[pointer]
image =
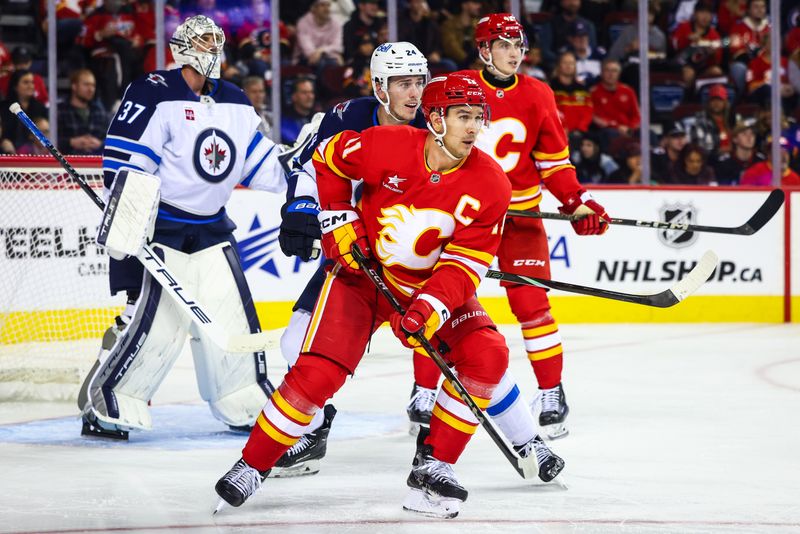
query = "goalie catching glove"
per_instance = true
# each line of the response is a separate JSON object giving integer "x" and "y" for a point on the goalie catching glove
{"x": 130, "y": 213}
{"x": 300, "y": 228}
{"x": 342, "y": 228}
{"x": 425, "y": 315}
{"x": 594, "y": 219}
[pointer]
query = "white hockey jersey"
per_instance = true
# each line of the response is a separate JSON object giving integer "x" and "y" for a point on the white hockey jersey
{"x": 200, "y": 147}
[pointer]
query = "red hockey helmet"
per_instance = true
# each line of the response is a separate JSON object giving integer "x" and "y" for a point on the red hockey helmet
{"x": 454, "y": 89}
{"x": 499, "y": 26}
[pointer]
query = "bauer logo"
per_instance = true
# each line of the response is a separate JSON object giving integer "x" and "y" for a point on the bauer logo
{"x": 678, "y": 214}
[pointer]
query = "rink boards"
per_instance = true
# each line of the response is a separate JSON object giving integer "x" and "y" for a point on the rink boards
{"x": 758, "y": 279}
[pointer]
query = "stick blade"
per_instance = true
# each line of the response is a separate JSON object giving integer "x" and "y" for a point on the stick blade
{"x": 765, "y": 212}
{"x": 267, "y": 340}
{"x": 696, "y": 277}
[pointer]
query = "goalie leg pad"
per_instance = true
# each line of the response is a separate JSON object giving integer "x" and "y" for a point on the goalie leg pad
{"x": 130, "y": 213}
{"x": 234, "y": 384}
{"x": 118, "y": 390}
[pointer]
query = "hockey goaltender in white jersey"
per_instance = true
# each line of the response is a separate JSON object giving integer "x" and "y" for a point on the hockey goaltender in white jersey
{"x": 200, "y": 137}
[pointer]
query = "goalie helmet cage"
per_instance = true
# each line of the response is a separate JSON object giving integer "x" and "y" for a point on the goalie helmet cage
{"x": 54, "y": 298}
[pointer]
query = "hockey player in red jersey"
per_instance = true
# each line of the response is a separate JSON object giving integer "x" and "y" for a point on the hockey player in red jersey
{"x": 431, "y": 215}
{"x": 527, "y": 139}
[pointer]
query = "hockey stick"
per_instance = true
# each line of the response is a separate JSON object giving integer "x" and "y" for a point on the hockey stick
{"x": 160, "y": 272}
{"x": 669, "y": 297}
{"x": 761, "y": 217}
{"x": 526, "y": 467}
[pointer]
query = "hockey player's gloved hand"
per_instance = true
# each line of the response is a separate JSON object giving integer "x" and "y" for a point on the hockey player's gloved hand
{"x": 420, "y": 318}
{"x": 341, "y": 229}
{"x": 595, "y": 221}
{"x": 300, "y": 228}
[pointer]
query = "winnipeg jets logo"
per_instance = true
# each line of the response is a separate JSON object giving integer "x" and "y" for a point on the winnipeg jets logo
{"x": 677, "y": 214}
{"x": 412, "y": 237}
{"x": 214, "y": 155}
{"x": 392, "y": 183}
{"x": 156, "y": 79}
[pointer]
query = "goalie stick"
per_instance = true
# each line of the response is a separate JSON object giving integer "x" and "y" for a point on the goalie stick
{"x": 669, "y": 297}
{"x": 160, "y": 272}
{"x": 761, "y": 217}
{"x": 526, "y": 467}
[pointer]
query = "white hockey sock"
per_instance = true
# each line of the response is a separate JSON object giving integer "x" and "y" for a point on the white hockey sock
{"x": 511, "y": 414}
{"x": 316, "y": 421}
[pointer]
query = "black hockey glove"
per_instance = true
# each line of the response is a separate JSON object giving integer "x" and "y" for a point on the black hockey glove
{"x": 300, "y": 228}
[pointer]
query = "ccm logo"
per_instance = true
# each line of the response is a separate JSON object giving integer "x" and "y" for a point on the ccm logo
{"x": 333, "y": 220}
{"x": 529, "y": 263}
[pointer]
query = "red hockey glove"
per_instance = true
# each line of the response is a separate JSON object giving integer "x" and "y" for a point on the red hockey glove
{"x": 341, "y": 229}
{"x": 420, "y": 318}
{"x": 595, "y": 220}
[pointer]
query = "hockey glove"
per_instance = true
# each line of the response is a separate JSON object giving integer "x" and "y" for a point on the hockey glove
{"x": 341, "y": 229}
{"x": 594, "y": 219}
{"x": 420, "y": 318}
{"x": 300, "y": 228}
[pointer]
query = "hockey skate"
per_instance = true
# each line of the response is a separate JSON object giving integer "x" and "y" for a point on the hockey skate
{"x": 434, "y": 492}
{"x": 419, "y": 408}
{"x": 550, "y": 464}
{"x": 551, "y": 406}
{"x": 238, "y": 484}
{"x": 304, "y": 457}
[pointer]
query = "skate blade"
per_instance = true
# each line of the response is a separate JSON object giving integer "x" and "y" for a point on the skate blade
{"x": 419, "y": 502}
{"x": 556, "y": 431}
{"x": 307, "y": 468}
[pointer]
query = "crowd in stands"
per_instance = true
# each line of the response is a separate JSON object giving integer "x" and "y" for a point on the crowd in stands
{"x": 709, "y": 60}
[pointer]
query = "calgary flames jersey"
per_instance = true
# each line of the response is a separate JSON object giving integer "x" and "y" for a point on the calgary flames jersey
{"x": 438, "y": 231}
{"x": 527, "y": 140}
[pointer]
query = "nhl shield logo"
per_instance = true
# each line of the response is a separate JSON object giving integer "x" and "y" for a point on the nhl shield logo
{"x": 678, "y": 214}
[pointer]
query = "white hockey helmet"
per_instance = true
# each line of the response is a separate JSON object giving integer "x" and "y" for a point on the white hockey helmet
{"x": 395, "y": 59}
{"x": 190, "y": 48}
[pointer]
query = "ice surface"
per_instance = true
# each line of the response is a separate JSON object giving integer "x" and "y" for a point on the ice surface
{"x": 673, "y": 428}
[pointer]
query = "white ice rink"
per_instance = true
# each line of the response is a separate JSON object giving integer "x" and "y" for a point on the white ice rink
{"x": 674, "y": 428}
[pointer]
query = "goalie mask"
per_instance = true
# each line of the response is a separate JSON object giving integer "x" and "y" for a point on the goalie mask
{"x": 395, "y": 59}
{"x": 198, "y": 42}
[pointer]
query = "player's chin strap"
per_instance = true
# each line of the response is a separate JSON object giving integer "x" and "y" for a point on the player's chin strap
{"x": 388, "y": 108}
{"x": 439, "y": 139}
{"x": 490, "y": 62}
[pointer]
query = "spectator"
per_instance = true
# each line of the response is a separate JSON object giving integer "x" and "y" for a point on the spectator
{"x": 729, "y": 13}
{"x": 572, "y": 98}
{"x": 33, "y": 147}
{"x": 553, "y": 34}
{"x": 665, "y": 157}
{"x": 588, "y": 59}
{"x": 357, "y": 76}
{"x": 5, "y": 60}
{"x": 21, "y": 88}
{"x": 626, "y": 47}
{"x": 256, "y": 91}
{"x": 747, "y": 38}
{"x": 458, "y": 34}
{"x": 365, "y": 20}
{"x": 616, "y": 110}
{"x": 113, "y": 43}
{"x": 692, "y": 168}
{"x": 761, "y": 173}
{"x": 532, "y": 64}
{"x": 82, "y": 121}
{"x": 301, "y": 109}
{"x": 416, "y": 25}
{"x": 759, "y": 73}
{"x": 729, "y": 167}
{"x": 22, "y": 59}
{"x": 254, "y": 39}
{"x": 630, "y": 168}
{"x": 591, "y": 165}
{"x": 698, "y": 45}
{"x": 711, "y": 128}
{"x": 319, "y": 36}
